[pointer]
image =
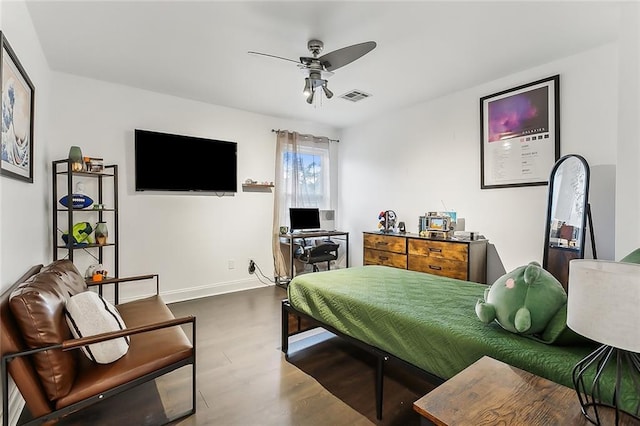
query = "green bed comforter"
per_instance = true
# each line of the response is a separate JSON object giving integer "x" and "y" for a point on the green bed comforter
{"x": 426, "y": 320}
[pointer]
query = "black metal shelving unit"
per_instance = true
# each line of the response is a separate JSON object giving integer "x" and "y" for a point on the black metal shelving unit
{"x": 109, "y": 176}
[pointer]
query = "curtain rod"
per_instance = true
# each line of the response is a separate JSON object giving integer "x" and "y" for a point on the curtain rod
{"x": 278, "y": 130}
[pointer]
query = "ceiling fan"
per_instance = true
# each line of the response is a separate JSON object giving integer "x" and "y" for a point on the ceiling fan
{"x": 319, "y": 68}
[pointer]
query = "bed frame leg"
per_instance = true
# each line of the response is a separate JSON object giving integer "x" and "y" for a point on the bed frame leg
{"x": 379, "y": 385}
{"x": 285, "y": 329}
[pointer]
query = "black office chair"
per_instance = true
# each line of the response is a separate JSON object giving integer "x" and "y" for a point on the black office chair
{"x": 325, "y": 252}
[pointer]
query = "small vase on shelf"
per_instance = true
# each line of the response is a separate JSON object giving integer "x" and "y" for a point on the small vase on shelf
{"x": 101, "y": 233}
{"x": 76, "y": 159}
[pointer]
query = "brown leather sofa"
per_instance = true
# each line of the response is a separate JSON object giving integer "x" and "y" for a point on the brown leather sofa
{"x": 40, "y": 353}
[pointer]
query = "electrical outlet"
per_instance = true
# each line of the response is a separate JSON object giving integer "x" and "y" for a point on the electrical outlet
{"x": 252, "y": 266}
{"x": 232, "y": 264}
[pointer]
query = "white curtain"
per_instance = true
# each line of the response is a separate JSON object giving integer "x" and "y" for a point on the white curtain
{"x": 302, "y": 180}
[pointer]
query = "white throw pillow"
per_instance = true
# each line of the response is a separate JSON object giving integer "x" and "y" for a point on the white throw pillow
{"x": 89, "y": 314}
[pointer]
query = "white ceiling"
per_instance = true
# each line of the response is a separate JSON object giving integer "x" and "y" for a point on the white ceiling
{"x": 198, "y": 50}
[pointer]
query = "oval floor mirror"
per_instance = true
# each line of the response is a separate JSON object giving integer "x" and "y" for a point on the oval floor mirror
{"x": 567, "y": 215}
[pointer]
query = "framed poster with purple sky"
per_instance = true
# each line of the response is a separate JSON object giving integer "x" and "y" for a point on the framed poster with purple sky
{"x": 520, "y": 134}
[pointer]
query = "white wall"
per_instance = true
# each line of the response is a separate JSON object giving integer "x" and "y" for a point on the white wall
{"x": 24, "y": 219}
{"x": 628, "y": 176}
{"x": 427, "y": 157}
{"x": 24, "y": 224}
{"x": 187, "y": 238}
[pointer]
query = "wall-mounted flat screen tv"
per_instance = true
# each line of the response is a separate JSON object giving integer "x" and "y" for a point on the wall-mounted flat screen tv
{"x": 166, "y": 162}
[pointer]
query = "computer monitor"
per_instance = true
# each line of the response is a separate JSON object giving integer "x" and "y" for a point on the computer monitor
{"x": 304, "y": 218}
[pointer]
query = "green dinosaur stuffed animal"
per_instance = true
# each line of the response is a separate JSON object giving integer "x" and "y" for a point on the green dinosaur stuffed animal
{"x": 522, "y": 301}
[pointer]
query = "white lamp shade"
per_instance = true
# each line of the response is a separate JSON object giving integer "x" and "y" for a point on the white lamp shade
{"x": 604, "y": 302}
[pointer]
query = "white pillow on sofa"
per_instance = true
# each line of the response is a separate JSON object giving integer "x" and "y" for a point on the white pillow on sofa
{"x": 89, "y": 314}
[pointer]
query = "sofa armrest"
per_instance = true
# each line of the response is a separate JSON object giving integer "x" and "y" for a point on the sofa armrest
{"x": 117, "y": 281}
{"x": 90, "y": 340}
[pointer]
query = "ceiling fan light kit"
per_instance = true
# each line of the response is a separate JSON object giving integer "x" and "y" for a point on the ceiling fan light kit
{"x": 320, "y": 68}
{"x": 312, "y": 84}
{"x": 328, "y": 93}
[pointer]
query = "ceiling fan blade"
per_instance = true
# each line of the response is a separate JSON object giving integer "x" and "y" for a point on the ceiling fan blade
{"x": 272, "y": 56}
{"x": 341, "y": 57}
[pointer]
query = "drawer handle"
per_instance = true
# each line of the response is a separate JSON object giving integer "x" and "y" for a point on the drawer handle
{"x": 437, "y": 268}
{"x": 436, "y": 250}
{"x": 383, "y": 258}
{"x": 382, "y": 243}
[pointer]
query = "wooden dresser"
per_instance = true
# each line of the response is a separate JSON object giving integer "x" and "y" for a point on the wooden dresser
{"x": 464, "y": 260}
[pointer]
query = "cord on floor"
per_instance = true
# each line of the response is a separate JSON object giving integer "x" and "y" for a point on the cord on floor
{"x": 263, "y": 275}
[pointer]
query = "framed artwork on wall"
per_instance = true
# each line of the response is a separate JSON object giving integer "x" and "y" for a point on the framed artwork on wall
{"x": 520, "y": 134}
{"x": 18, "y": 96}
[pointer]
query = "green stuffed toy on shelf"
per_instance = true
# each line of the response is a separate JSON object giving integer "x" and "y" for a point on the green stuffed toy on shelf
{"x": 522, "y": 301}
{"x": 80, "y": 235}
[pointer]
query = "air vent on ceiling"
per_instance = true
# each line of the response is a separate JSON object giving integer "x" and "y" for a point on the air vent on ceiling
{"x": 355, "y": 95}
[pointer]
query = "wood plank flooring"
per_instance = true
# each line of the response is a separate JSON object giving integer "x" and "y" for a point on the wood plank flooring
{"x": 244, "y": 379}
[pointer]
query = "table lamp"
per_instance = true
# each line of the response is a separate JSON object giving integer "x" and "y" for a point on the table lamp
{"x": 604, "y": 306}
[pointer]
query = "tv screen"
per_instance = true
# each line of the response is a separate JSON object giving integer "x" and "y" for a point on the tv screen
{"x": 304, "y": 218}
{"x": 166, "y": 162}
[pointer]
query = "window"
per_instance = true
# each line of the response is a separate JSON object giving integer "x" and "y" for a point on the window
{"x": 303, "y": 179}
{"x": 307, "y": 177}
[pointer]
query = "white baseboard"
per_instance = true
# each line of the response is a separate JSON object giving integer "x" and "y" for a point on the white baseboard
{"x": 190, "y": 293}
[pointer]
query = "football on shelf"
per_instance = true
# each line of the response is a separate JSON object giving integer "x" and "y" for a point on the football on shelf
{"x": 80, "y": 201}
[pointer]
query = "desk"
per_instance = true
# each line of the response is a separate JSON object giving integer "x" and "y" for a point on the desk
{"x": 290, "y": 239}
{"x": 490, "y": 392}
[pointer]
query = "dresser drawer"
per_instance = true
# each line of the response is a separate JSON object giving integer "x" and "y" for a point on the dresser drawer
{"x": 386, "y": 242}
{"x": 380, "y": 257}
{"x": 439, "y": 249}
{"x": 438, "y": 266}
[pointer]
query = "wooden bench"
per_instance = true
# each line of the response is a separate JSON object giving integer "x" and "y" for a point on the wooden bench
{"x": 56, "y": 379}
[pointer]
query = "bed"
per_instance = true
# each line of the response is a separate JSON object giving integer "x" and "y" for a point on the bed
{"x": 423, "y": 321}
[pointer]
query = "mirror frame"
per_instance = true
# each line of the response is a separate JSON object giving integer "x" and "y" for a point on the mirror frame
{"x": 559, "y": 268}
